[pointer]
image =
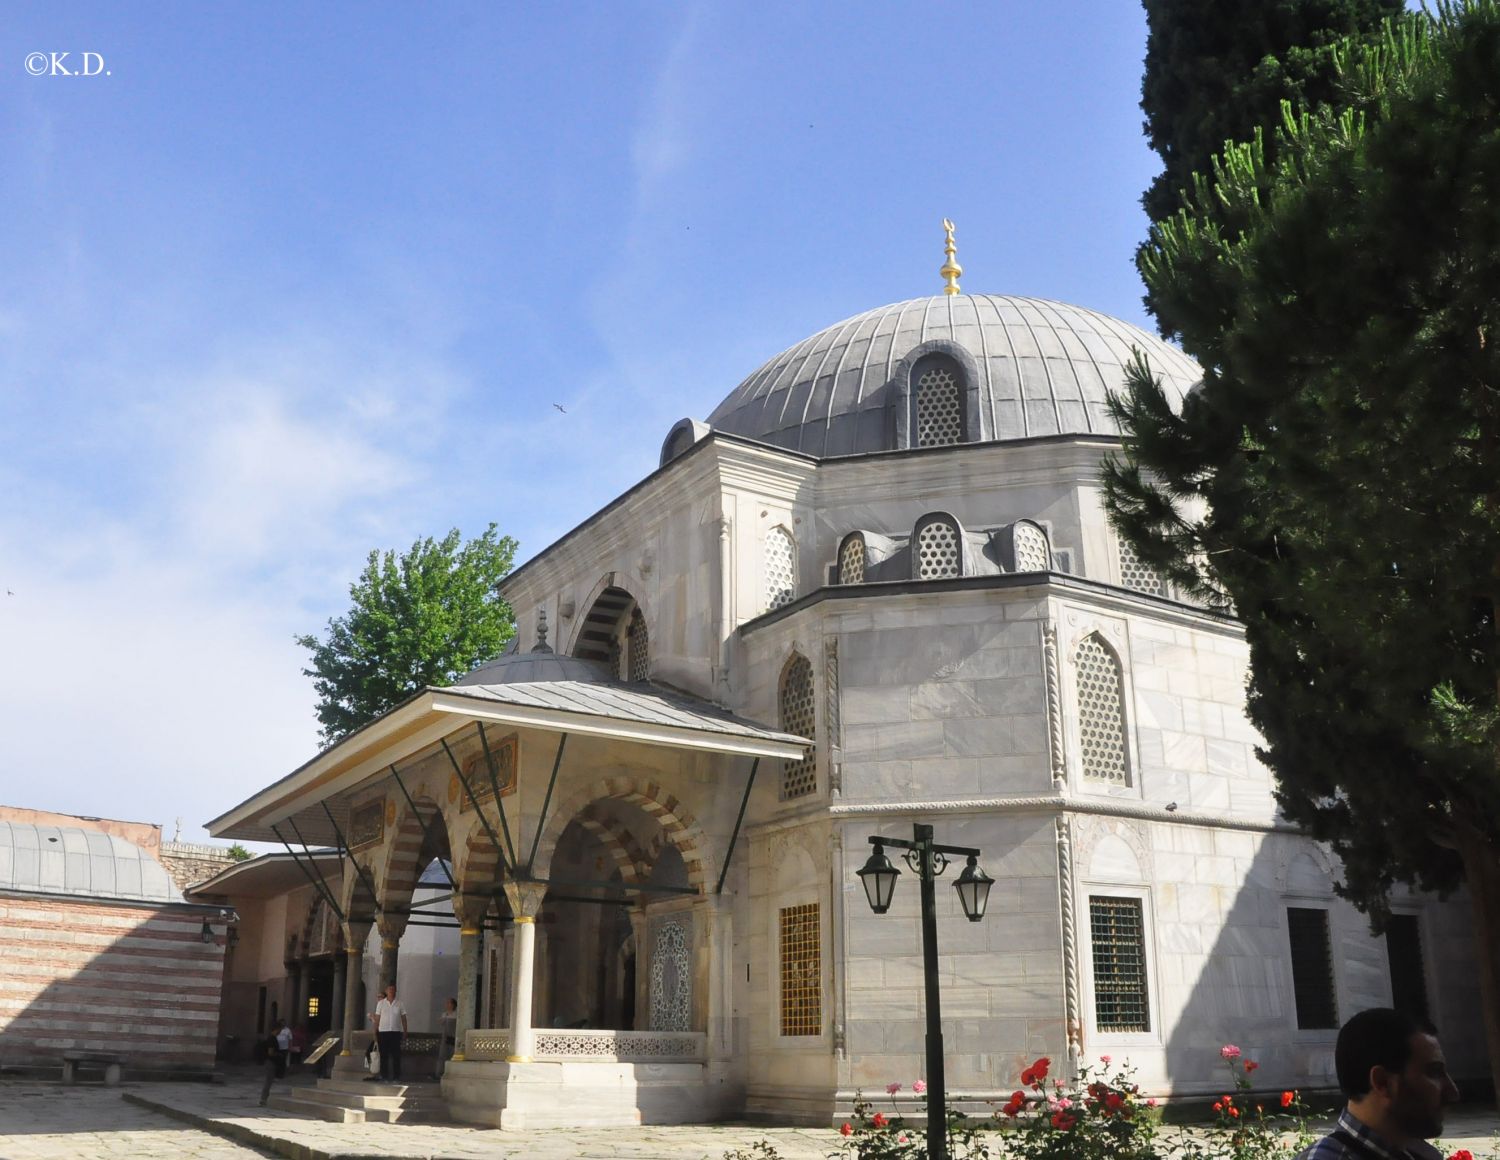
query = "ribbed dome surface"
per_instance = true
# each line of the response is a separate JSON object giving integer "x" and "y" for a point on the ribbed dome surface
{"x": 1044, "y": 368}
{"x": 43, "y": 859}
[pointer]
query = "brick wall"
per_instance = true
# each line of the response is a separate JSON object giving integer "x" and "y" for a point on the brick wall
{"x": 138, "y": 980}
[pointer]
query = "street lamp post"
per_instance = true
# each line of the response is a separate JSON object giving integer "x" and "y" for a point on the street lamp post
{"x": 928, "y": 860}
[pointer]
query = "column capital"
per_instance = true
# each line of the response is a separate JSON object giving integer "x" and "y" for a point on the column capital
{"x": 525, "y": 898}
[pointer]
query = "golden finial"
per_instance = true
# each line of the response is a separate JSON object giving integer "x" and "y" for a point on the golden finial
{"x": 951, "y": 269}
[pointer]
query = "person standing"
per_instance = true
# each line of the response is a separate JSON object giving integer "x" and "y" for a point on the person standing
{"x": 389, "y": 1019}
{"x": 1391, "y": 1067}
{"x": 273, "y": 1050}
{"x": 447, "y": 1034}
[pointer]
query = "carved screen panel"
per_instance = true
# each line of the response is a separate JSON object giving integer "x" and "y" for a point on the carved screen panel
{"x": 1137, "y": 574}
{"x": 937, "y": 553}
{"x": 939, "y": 409}
{"x": 671, "y": 979}
{"x": 798, "y": 716}
{"x": 780, "y": 568}
{"x": 1101, "y": 721}
{"x": 852, "y": 561}
{"x": 1031, "y": 549}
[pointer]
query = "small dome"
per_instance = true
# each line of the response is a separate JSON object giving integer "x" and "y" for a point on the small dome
{"x": 71, "y": 860}
{"x": 1042, "y": 368}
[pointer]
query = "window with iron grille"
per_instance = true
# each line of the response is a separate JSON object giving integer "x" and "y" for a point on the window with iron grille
{"x": 780, "y": 567}
{"x": 936, "y": 552}
{"x": 1312, "y": 968}
{"x": 801, "y": 971}
{"x": 1403, "y": 950}
{"x": 638, "y": 644}
{"x": 1101, "y": 718}
{"x": 852, "y": 561}
{"x": 1117, "y": 934}
{"x": 940, "y": 416}
{"x": 1137, "y": 574}
{"x": 1031, "y": 549}
{"x": 797, "y": 716}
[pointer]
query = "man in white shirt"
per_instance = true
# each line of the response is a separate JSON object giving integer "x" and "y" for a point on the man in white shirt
{"x": 389, "y": 1020}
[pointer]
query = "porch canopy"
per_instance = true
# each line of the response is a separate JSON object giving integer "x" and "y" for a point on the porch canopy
{"x": 311, "y": 804}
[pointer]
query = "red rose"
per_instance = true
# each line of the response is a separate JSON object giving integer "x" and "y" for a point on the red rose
{"x": 879, "y": 1120}
{"x": 846, "y": 1130}
{"x": 1041, "y": 1067}
{"x": 1235, "y": 1112}
{"x": 1218, "y": 1107}
{"x": 1462, "y": 1154}
{"x": 1250, "y": 1065}
{"x": 1113, "y": 1101}
{"x": 1287, "y": 1098}
{"x": 1062, "y": 1121}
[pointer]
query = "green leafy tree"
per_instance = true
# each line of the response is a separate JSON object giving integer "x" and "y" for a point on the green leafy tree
{"x": 238, "y": 853}
{"x": 1218, "y": 70}
{"x": 1336, "y": 477}
{"x": 424, "y": 617}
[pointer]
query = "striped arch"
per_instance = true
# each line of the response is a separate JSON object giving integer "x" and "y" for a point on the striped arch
{"x": 479, "y": 867}
{"x": 630, "y": 858}
{"x": 358, "y": 903}
{"x": 678, "y": 826}
{"x": 398, "y": 878}
{"x": 620, "y": 580}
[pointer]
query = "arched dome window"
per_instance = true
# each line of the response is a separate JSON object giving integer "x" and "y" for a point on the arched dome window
{"x": 937, "y": 401}
{"x": 1136, "y": 574}
{"x": 1101, "y": 712}
{"x": 780, "y": 567}
{"x": 614, "y": 634}
{"x": 798, "y": 777}
{"x": 937, "y": 548}
{"x": 1030, "y": 546}
{"x": 852, "y": 559}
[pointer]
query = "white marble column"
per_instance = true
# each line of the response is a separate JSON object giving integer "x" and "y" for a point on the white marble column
{"x": 522, "y": 1037}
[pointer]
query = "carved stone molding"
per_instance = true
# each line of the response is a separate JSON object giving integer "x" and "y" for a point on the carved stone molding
{"x": 1053, "y": 671}
{"x": 1072, "y": 1004}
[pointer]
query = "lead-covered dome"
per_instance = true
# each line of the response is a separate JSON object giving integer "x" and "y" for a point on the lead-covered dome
{"x": 1008, "y": 368}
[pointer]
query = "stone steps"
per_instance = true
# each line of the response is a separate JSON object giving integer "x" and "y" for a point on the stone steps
{"x": 353, "y": 1101}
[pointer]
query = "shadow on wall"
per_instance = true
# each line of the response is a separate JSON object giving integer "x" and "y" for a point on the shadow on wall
{"x": 1252, "y": 947}
{"x": 132, "y": 980}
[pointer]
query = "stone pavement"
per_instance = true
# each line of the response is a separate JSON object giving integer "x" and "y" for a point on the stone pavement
{"x": 145, "y": 1121}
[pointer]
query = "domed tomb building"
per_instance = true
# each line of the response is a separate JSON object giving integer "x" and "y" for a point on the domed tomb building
{"x": 875, "y": 587}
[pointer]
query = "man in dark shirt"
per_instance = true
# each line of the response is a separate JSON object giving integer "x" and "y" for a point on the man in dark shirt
{"x": 1391, "y": 1067}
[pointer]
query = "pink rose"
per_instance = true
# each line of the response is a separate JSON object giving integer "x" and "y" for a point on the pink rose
{"x": 892, "y": 1088}
{"x": 1106, "y": 1060}
{"x": 1151, "y": 1103}
{"x": 1229, "y": 1051}
{"x": 920, "y": 1086}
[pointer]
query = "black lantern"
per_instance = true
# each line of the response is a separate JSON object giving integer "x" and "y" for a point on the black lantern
{"x": 879, "y": 877}
{"x": 973, "y": 888}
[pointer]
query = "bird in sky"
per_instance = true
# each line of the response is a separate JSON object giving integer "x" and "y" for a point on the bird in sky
{"x": 561, "y": 408}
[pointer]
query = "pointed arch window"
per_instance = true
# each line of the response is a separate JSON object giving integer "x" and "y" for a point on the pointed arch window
{"x": 637, "y": 648}
{"x": 799, "y": 777}
{"x": 938, "y": 403}
{"x": 937, "y": 548}
{"x": 852, "y": 560}
{"x": 1101, "y": 712}
{"x": 780, "y": 567}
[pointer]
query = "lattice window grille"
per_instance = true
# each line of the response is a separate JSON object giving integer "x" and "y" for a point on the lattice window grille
{"x": 801, "y": 971}
{"x": 780, "y": 568}
{"x": 671, "y": 979}
{"x": 939, "y": 408}
{"x": 1137, "y": 575}
{"x": 798, "y": 716}
{"x": 1101, "y": 719}
{"x": 937, "y": 551}
{"x": 1312, "y": 968}
{"x": 1117, "y": 932}
{"x": 638, "y": 645}
{"x": 1031, "y": 549}
{"x": 852, "y": 561}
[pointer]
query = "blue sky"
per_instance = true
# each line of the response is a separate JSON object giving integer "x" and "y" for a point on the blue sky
{"x": 292, "y": 282}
